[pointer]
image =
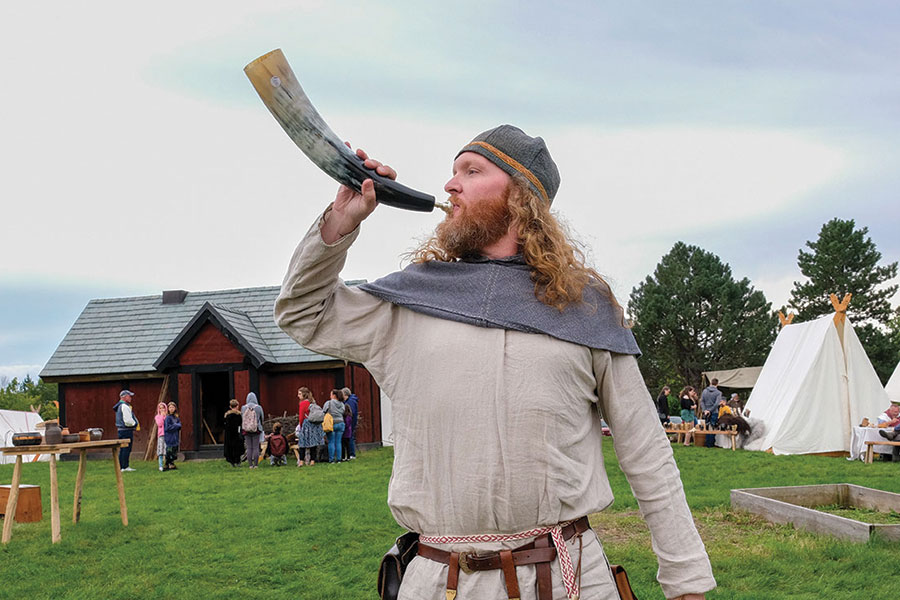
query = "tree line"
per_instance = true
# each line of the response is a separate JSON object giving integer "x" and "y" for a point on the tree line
{"x": 691, "y": 314}
{"x": 22, "y": 395}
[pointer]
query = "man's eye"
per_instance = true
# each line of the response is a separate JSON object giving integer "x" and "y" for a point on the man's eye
{"x": 471, "y": 171}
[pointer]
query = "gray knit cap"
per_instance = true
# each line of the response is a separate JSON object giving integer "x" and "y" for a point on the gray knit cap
{"x": 518, "y": 153}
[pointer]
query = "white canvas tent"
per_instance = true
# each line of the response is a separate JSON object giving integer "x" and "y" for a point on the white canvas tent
{"x": 816, "y": 384}
{"x": 893, "y": 386}
{"x": 17, "y": 421}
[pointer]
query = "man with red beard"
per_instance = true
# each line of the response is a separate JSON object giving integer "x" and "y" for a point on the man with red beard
{"x": 500, "y": 350}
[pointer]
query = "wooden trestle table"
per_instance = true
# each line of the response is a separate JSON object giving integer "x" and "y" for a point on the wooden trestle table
{"x": 53, "y": 450}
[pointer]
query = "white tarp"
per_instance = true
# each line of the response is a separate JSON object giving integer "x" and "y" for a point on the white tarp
{"x": 893, "y": 386}
{"x": 744, "y": 377}
{"x": 813, "y": 389}
{"x": 17, "y": 421}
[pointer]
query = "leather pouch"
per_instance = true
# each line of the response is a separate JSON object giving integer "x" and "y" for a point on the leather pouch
{"x": 394, "y": 563}
{"x": 622, "y": 583}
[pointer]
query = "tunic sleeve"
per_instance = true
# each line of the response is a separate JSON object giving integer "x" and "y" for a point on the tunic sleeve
{"x": 324, "y": 315}
{"x": 645, "y": 456}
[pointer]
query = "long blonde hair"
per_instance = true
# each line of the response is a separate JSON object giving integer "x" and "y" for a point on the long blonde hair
{"x": 557, "y": 263}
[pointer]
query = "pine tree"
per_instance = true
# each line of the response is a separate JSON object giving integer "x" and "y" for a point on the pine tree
{"x": 844, "y": 260}
{"x": 691, "y": 315}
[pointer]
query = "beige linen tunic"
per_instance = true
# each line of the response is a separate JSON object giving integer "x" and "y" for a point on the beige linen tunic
{"x": 497, "y": 430}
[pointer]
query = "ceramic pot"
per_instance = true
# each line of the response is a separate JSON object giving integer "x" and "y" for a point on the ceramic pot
{"x": 52, "y": 433}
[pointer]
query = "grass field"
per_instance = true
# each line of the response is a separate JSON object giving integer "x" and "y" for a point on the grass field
{"x": 211, "y": 531}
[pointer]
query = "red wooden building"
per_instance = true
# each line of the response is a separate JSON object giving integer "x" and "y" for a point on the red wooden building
{"x": 200, "y": 350}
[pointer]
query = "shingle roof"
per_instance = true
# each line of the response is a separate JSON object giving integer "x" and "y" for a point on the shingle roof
{"x": 126, "y": 335}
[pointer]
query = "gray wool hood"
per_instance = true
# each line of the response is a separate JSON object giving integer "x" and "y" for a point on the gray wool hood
{"x": 499, "y": 293}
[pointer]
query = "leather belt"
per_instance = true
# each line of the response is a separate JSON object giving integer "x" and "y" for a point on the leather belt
{"x": 539, "y": 552}
{"x": 470, "y": 562}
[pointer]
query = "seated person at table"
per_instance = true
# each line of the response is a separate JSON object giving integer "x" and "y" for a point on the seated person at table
{"x": 890, "y": 417}
{"x": 889, "y": 421}
{"x": 894, "y": 436}
{"x": 278, "y": 446}
{"x": 728, "y": 418}
{"x": 724, "y": 409}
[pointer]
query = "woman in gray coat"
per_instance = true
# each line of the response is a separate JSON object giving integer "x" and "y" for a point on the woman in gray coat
{"x": 252, "y": 436}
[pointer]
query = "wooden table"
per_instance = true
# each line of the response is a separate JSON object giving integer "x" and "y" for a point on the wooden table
{"x": 699, "y": 431}
{"x": 859, "y": 442}
{"x": 54, "y": 449}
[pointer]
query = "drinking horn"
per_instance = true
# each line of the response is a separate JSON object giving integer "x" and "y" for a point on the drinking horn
{"x": 280, "y": 91}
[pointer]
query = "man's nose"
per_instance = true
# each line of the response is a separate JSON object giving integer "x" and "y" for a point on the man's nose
{"x": 452, "y": 186}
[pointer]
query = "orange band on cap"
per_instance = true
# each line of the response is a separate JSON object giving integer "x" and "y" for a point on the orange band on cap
{"x": 515, "y": 165}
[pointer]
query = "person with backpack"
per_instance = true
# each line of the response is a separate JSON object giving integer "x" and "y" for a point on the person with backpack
{"x": 251, "y": 425}
{"x": 309, "y": 432}
{"x": 335, "y": 408}
{"x": 277, "y": 447}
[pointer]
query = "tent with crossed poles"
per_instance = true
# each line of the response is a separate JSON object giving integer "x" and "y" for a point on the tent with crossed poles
{"x": 817, "y": 383}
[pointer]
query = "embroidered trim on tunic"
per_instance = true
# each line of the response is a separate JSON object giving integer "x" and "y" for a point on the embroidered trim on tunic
{"x": 555, "y": 531}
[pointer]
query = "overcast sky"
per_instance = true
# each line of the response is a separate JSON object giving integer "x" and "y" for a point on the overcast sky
{"x": 137, "y": 157}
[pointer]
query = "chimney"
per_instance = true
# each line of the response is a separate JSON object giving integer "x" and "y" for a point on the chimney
{"x": 174, "y": 296}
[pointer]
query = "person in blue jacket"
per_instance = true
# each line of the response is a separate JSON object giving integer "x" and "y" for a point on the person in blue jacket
{"x": 126, "y": 423}
{"x": 352, "y": 401}
{"x": 173, "y": 435}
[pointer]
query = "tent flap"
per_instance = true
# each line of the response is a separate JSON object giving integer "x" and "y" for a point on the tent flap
{"x": 744, "y": 377}
{"x": 893, "y": 385}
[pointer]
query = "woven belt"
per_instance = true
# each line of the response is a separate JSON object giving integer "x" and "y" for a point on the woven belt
{"x": 539, "y": 553}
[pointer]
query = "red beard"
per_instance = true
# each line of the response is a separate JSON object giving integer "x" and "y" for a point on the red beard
{"x": 474, "y": 226}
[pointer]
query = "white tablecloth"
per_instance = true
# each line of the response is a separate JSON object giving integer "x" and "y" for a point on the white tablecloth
{"x": 858, "y": 438}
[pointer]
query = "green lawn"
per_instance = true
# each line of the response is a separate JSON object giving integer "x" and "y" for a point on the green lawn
{"x": 211, "y": 531}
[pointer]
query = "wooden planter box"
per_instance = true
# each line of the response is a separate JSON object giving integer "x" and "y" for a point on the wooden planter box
{"x": 28, "y": 509}
{"x": 793, "y": 504}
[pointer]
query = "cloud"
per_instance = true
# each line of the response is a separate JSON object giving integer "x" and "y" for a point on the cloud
{"x": 20, "y": 371}
{"x": 138, "y": 157}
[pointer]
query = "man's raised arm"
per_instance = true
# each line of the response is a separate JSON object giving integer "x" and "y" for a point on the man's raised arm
{"x": 314, "y": 306}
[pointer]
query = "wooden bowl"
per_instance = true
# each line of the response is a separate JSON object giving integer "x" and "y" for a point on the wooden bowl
{"x": 27, "y": 439}
{"x": 84, "y": 436}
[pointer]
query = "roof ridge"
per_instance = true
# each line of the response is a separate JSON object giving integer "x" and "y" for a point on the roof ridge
{"x": 230, "y": 309}
{"x": 190, "y": 293}
{"x": 262, "y": 338}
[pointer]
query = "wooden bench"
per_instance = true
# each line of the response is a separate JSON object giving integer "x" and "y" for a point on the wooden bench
{"x": 870, "y": 449}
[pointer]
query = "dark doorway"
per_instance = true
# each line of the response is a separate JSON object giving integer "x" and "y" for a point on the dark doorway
{"x": 214, "y": 398}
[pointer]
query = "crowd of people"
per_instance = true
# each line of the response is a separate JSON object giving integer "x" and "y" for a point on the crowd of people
{"x": 709, "y": 407}
{"x": 324, "y": 433}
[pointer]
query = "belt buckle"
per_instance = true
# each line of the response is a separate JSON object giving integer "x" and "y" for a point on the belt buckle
{"x": 463, "y": 562}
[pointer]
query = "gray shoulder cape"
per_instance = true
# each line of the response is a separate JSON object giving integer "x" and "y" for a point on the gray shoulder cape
{"x": 499, "y": 293}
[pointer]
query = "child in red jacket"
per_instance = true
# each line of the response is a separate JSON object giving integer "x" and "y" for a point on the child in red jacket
{"x": 278, "y": 446}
